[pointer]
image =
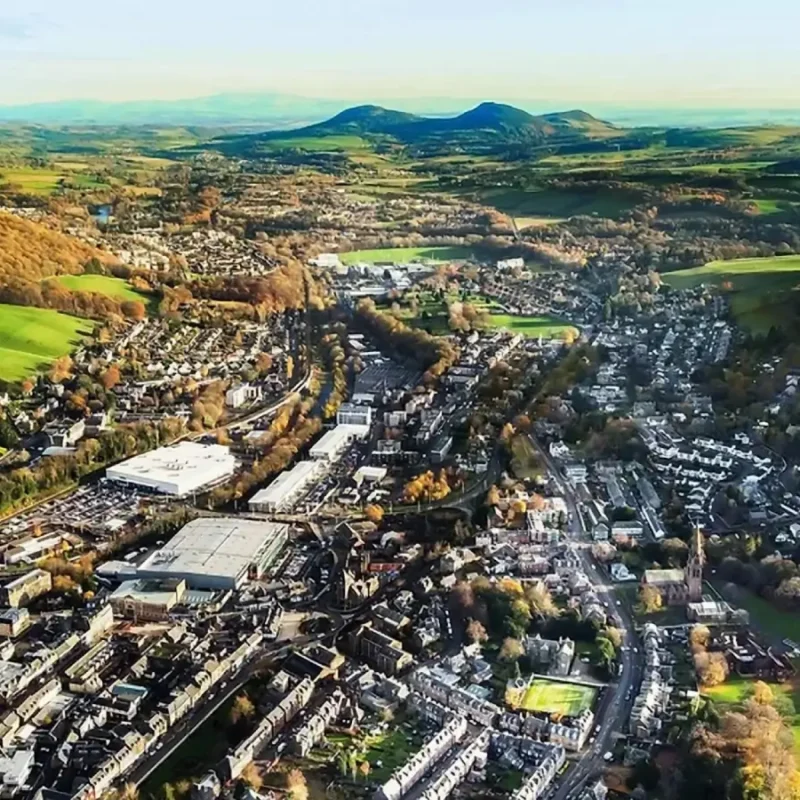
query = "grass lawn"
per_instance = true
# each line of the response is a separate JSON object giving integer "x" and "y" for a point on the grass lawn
{"x": 548, "y": 327}
{"x": 392, "y": 749}
{"x": 32, "y": 338}
{"x": 404, "y": 255}
{"x": 525, "y": 462}
{"x": 552, "y": 697}
{"x": 773, "y": 621}
{"x": 117, "y": 288}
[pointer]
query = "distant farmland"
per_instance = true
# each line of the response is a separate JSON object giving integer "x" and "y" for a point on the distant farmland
{"x": 32, "y": 338}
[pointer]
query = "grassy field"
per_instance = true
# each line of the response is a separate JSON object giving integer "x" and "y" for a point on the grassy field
{"x": 770, "y": 619}
{"x": 758, "y": 288}
{"x": 548, "y": 327}
{"x": 32, "y": 338}
{"x": 44, "y": 180}
{"x": 117, "y": 288}
{"x": 405, "y": 255}
{"x": 736, "y": 271}
{"x": 553, "y": 697}
{"x": 559, "y": 204}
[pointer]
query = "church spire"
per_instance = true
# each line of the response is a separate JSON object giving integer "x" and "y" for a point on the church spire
{"x": 694, "y": 568}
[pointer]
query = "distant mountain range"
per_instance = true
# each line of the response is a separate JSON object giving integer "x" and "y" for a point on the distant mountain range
{"x": 275, "y": 109}
{"x": 487, "y": 126}
{"x": 503, "y": 120}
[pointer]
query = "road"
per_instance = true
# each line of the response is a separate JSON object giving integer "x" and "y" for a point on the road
{"x": 183, "y": 729}
{"x": 614, "y": 708}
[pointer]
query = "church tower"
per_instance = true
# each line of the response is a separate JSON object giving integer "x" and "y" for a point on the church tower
{"x": 694, "y": 567}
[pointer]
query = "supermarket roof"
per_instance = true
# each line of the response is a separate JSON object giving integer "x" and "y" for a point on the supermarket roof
{"x": 212, "y": 546}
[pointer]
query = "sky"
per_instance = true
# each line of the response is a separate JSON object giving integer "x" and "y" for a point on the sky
{"x": 568, "y": 53}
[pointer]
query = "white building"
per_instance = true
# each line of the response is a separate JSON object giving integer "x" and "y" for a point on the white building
{"x": 179, "y": 470}
{"x": 286, "y": 488}
{"x": 335, "y": 441}
{"x": 218, "y": 552}
{"x": 352, "y": 414}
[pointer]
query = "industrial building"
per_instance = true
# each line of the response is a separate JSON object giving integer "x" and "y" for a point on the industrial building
{"x": 335, "y": 441}
{"x": 352, "y": 414}
{"x": 217, "y": 553}
{"x": 179, "y": 470}
{"x": 286, "y": 488}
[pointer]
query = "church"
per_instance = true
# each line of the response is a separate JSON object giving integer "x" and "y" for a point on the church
{"x": 681, "y": 586}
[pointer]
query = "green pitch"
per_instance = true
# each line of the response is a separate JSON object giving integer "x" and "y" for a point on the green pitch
{"x": 552, "y": 697}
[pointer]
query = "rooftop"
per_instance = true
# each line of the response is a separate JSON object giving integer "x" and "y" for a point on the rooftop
{"x": 224, "y": 546}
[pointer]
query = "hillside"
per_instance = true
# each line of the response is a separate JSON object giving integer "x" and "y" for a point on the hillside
{"x": 484, "y": 127}
{"x": 30, "y": 251}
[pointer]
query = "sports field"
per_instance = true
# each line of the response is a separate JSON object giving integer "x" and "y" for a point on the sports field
{"x": 404, "y": 255}
{"x": 554, "y": 697}
{"x": 101, "y": 284}
{"x": 32, "y": 338}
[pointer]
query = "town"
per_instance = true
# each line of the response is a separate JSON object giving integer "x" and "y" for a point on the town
{"x": 507, "y": 557}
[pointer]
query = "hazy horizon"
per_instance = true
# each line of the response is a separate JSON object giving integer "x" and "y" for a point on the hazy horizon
{"x": 702, "y": 54}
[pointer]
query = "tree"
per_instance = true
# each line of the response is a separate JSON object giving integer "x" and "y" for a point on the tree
{"x": 650, "y": 599}
{"x": 493, "y": 496}
{"x": 699, "y": 637}
{"x": 374, "y": 513}
{"x": 540, "y": 601}
{"x": 614, "y": 635}
{"x": 606, "y": 653}
{"x": 463, "y": 596}
{"x": 63, "y": 584}
{"x": 252, "y": 777}
{"x": 296, "y": 785}
{"x": 712, "y": 668}
{"x": 134, "y": 309}
{"x": 168, "y": 791}
{"x": 476, "y": 632}
{"x": 60, "y": 369}
{"x": 242, "y": 708}
{"x": 111, "y": 377}
{"x": 763, "y": 694}
{"x": 511, "y": 649}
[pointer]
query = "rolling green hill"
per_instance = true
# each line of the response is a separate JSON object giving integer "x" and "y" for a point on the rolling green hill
{"x": 478, "y": 129}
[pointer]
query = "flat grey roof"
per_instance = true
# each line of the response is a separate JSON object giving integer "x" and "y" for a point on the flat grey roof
{"x": 224, "y": 546}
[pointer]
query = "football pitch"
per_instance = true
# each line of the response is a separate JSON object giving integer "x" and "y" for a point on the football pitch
{"x": 554, "y": 697}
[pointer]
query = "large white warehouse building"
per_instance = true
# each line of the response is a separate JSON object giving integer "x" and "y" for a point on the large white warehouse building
{"x": 217, "y": 552}
{"x": 336, "y": 441}
{"x": 179, "y": 470}
{"x": 286, "y": 488}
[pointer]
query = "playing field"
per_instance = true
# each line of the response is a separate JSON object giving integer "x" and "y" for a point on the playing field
{"x": 101, "y": 284}
{"x": 404, "y": 255}
{"x": 32, "y": 338}
{"x": 553, "y": 697}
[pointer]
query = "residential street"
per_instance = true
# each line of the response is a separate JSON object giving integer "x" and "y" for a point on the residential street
{"x": 614, "y": 708}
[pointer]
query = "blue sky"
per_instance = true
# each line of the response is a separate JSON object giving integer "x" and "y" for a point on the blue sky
{"x": 694, "y": 53}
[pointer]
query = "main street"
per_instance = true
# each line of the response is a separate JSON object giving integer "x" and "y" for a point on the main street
{"x": 614, "y": 708}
